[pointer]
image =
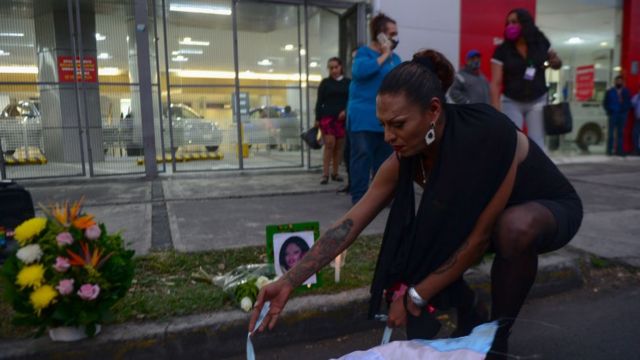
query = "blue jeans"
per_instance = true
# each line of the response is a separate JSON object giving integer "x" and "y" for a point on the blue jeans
{"x": 616, "y": 125}
{"x": 636, "y": 136}
{"x": 368, "y": 152}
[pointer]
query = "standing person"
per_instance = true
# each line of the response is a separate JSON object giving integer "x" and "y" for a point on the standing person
{"x": 517, "y": 67}
{"x": 470, "y": 86}
{"x": 617, "y": 103}
{"x": 519, "y": 204}
{"x": 635, "y": 102}
{"x": 371, "y": 64}
{"x": 333, "y": 94}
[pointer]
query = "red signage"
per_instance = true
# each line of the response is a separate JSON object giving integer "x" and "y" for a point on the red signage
{"x": 585, "y": 76}
{"x": 66, "y": 72}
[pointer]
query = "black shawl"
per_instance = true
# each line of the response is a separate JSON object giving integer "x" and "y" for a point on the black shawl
{"x": 475, "y": 155}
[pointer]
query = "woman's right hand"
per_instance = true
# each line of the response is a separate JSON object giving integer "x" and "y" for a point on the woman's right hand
{"x": 278, "y": 294}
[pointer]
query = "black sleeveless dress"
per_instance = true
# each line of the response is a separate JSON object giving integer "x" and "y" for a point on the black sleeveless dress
{"x": 476, "y": 152}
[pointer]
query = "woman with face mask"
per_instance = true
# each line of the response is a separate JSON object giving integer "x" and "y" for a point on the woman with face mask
{"x": 485, "y": 186}
{"x": 366, "y": 139}
{"x": 518, "y": 86}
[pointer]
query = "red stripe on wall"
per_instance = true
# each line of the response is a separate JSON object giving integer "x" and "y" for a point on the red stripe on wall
{"x": 482, "y": 26}
{"x": 630, "y": 53}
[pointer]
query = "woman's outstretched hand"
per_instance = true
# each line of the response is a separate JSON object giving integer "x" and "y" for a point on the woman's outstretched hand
{"x": 278, "y": 294}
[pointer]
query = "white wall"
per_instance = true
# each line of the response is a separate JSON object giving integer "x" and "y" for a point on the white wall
{"x": 422, "y": 24}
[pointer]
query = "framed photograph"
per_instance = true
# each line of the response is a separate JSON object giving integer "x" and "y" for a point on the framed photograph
{"x": 287, "y": 244}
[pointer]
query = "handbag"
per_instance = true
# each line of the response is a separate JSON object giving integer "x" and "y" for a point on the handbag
{"x": 558, "y": 119}
{"x": 312, "y": 138}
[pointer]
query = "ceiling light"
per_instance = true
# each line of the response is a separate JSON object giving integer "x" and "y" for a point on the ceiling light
{"x": 289, "y": 47}
{"x": 18, "y": 69}
{"x": 265, "y": 62}
{"x": 246, "y": 75}
{"x": 597, "y": 66}
{"x": 313, "y": 64}
{"x": 100, "y": 37}
{"x": 180, "y": 58}
{"x": 104, "y": 56}
{"x": 574, "y": 41}
{"x": 303, "y": 52}
{"x": 270, "y": 70}
{"x": 188, "y": 41}
{"x": 108, "y": 71}
{"x": 604, "y": 43}
{"x": 210, "y": 10}
{"x": 617, "y": 68}
{"x": 11, "y": 34}
{"x": 187, "y": 52}
{"x": 4, "y": 53}
{"x": 566, "y": 67}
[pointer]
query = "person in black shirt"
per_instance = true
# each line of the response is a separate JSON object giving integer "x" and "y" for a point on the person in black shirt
{"x": 333, "y": 94}
{"x": 485, "y": 186}
{"x": 517, "y": 68}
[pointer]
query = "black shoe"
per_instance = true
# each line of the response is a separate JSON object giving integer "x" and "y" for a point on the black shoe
{"x": 336, "y": 178}
{"x": 325, "y": 180}
{"x": 470, "y": 318}
{"x": 344, "y": 189}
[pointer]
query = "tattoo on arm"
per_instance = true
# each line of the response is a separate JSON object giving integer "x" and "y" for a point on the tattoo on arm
{"x": 328, "y": 247}
{"x": 451, "y": 262}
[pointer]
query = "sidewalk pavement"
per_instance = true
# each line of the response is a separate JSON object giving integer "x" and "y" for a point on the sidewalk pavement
{"x": 216, "y": 211}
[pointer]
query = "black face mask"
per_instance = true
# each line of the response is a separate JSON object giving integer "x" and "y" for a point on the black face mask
{"x": 394, "y": 42}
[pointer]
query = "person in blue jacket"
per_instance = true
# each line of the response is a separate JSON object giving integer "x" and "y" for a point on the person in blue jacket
{"x": 617, "y": 103}
{"x": 371, "y": 64}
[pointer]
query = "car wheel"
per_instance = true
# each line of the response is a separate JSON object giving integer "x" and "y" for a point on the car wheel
{"x": 589, "y": 134}
{"x": 554, "y": 142}
{"x": 212, "y": 148}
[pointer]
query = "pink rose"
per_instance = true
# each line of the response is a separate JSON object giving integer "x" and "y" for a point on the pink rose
{"x": 89, "y": 292}
{"x": 93, "y": 232}
{"x": 64, "y": 238}
{"x": 65, "y": 286}
{"x": 62, "y": 264}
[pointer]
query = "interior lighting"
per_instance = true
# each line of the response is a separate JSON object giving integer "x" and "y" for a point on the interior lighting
{"x": 189, "y": 41}
{"x": 210, "y": 10}
{"x": 604, "y": 44}
{"x": 11, "y": 34}
{"x": 289, "y": 47}
{"x": 100, "y": 37}
{"x": 4, "y": 53}
{"x": 246, "y": 75}
{"x": 265, "y": 62}
{"x": 303, "y": 52}
{"x": 617, "y": 68}
{"x": 13, "y": 69}
{"x": 109, "y": 71}
{"x": 574, "y": 41}
{"x": 187, "y": 52}
{"x": 566, "y": 67}
{"x": 313, "y": 64}
{"x": 180, "y": 58}
{"x": 104, "y": 56}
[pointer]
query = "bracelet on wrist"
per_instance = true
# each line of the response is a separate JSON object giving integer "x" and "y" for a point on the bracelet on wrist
{"x": 416, "y": 298}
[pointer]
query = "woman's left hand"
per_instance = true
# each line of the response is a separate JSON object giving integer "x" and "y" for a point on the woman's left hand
{"x": 554, "y": 60}
{"x": 398, "y": 313}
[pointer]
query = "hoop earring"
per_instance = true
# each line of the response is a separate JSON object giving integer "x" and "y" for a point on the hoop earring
{"x": 431, "y": 134}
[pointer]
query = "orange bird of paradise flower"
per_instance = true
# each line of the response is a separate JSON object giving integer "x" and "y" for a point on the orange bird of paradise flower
{"x": 87, "y": 258}
{"x": 68, "y": 216}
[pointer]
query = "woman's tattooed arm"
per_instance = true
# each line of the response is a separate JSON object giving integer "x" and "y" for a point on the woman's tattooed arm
{"x": 332, "y": 243}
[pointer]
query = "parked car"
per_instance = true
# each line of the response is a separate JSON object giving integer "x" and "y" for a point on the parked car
{"x": 190, "y": 128}
{"x": 20, "y": 126}
{"x": 589, "y": 125}
{"x": 272, "y": 126}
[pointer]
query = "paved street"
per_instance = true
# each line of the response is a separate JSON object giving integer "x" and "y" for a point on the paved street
{"x": 598, "y": 322}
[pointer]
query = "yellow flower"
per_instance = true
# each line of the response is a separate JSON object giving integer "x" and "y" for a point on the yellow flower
{"x": 26, "y": 231}
{"x": 42, "y": 297}
{"x": 32, "y": 276}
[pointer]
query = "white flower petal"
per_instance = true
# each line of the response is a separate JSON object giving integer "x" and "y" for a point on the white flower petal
{"x": 30, "y": 253}
{"x": 246, "y": 304}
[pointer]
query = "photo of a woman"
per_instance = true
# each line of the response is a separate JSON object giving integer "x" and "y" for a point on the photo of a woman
{"x": 293, "y": 249}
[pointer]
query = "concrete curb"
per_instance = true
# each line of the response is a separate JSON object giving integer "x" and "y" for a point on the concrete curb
{"x": 222, "y": 334}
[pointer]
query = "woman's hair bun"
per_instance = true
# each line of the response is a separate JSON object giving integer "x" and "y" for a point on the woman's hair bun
{"x": 441, "y": 66}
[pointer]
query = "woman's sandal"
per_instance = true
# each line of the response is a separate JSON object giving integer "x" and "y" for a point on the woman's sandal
{"x": 325, "y": 180}
{"x": 336, "y": 178}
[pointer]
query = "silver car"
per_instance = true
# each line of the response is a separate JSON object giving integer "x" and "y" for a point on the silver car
{"x": 20, "y": 126}
{"x": 190, "y": 128}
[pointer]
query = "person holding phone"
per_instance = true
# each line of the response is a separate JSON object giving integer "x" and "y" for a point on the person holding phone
{"x": 485, "y": 186}
{"x": 366, "y": 136}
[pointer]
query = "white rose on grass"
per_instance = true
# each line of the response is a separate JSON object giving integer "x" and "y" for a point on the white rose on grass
{"x": 246, "y": 304}
{"x": 262, "y": 281}
{"x": 29, "y": 254}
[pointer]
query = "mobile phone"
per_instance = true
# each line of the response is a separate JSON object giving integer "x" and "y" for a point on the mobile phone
{"x": 383, "y": 39}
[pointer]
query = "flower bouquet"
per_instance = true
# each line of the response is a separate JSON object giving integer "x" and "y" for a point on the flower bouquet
{"x": 67, "y": 272}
